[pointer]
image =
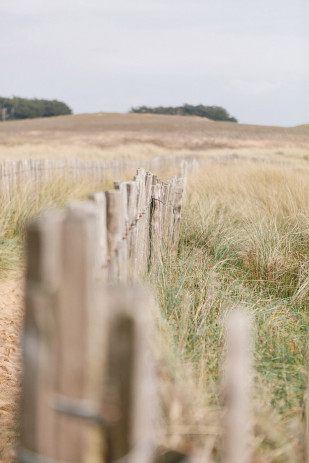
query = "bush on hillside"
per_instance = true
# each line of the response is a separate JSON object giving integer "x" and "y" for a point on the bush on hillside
{"x": 216, "y": 113}
{"x": 25, "y": 108}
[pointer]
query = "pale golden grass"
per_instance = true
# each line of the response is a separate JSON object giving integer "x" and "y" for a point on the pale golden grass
{"x": 135, "y": 136}
{"x": 78, "y": 151}
{"x": 244, "y": 243}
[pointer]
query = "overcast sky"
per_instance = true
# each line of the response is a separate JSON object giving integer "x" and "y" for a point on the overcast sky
{"x": 249, "y": 56}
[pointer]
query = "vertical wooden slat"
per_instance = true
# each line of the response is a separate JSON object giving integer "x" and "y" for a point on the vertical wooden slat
{"x": 99, "y": 200}
{"x": 38, "y": 420}
{"x": 123, "y": 251}
{"x": 165, "y": 199}
{"x": 130, "y": 372}
{"x": 148, "y": 193}
{"x": 237, "y": 377}
{"x": 132, "y": 192}
{"x": 6, "y": 180}
{"x": 114, "y": 231}
{"x": 140, "y": 229}
{"x": 156, "y": 225}
{"x": 74, "y": 302}
{"x": 14, "y": 176}
{"x": 177, "y": 205}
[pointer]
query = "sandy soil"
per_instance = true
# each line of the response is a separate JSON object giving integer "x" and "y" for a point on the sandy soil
{"x": 11, "y": 320}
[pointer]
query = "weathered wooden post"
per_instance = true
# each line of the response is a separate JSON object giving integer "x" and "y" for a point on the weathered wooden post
{"x": 6, "y": 180}
{"x": 99, "y": 200}
{"x": 140, "y": 178}
{"x": 131, "y": 383}
{"x": 38, "y": 419}
{"x": 132, "y": 196}
{"x": 123, "y": 250}
{"x": 146, "y": 218}
{"x": 237, "y": 378}
{"x": 156, "y": 226}
{"x": 73, "y": 317}
{"x": 114, "y": 223}
{"x": 177, "y": 205}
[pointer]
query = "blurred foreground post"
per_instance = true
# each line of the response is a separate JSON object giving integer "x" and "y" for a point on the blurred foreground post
{"x": 237, "y": 378}
{"x": 38, "y": 419}
{"x": 130, "y": 385}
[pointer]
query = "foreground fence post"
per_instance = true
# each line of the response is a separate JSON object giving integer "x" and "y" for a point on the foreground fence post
{"x": 131, "y": 385}
{"x": 237, "y": 378}
{"x": 72, "y": 311}
{"x": 38, "y": 419}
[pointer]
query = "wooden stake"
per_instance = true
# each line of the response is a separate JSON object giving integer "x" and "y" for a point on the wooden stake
{"x": 73, "y": 313}
{"x": 156, "y": 225}
{"x": 38, "y": 419}
{"x": 114, "y": 221}
{"x": 99, "y": 200}
{"x": 130, "y": 373}
{"x": 237, "y": 377}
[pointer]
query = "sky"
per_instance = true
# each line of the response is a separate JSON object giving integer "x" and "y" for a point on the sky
{"x": 249, "y": 56}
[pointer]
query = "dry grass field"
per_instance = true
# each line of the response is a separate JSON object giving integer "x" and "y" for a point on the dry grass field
{"x": 244, "y": 242}
{"x": 107, "y": 136}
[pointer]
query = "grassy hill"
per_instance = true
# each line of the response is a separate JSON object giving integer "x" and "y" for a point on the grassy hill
{"x": 107, "y": 135}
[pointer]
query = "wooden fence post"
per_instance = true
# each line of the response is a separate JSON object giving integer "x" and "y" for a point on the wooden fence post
{"x": 132, "y": 196}
{"x": 6, "y": 180}
{"x": 114, "y": 223}
{"x": 38, "y": 419}
{"x": 237, "y": 378}
{"x": 99, "y": 200}
{"x": 73, "y": 315}
{"x": 177, "y": 205}
{"x": 156, "y": 225}
{"x": 165, "y": 214}
{"x": 140, "y": 178}
{"x": 130, "y": 375}
{"x": 148, "y": 196}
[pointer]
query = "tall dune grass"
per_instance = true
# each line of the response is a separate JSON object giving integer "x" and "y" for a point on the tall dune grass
{"x": 28, "y": 203}
{"x": 244, "y": 242}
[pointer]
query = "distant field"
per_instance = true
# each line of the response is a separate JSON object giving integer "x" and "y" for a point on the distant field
{"x": 136, "y": 136}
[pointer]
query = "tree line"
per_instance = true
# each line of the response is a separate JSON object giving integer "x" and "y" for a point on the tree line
{"x": 216, "y": 113}
{"x": 26, "y": 108}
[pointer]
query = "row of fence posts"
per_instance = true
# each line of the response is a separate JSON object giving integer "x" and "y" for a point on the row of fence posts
{"x": 33, "y": 173}
{"x": 89, "y": 387}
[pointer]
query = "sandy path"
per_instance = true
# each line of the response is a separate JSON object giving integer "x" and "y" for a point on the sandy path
{"x": 11, "y": 320}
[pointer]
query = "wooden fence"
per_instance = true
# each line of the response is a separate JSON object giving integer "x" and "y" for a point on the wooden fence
{"x": 16, "y": 174}
{"x": 89, "y": 382}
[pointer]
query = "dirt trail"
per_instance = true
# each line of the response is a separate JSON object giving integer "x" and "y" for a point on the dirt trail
{"x": 11, "y": 321}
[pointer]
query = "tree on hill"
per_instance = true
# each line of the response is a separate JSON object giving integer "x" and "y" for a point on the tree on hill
{"x": 215, "y": 113}
{"x": 25, "y": 108}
